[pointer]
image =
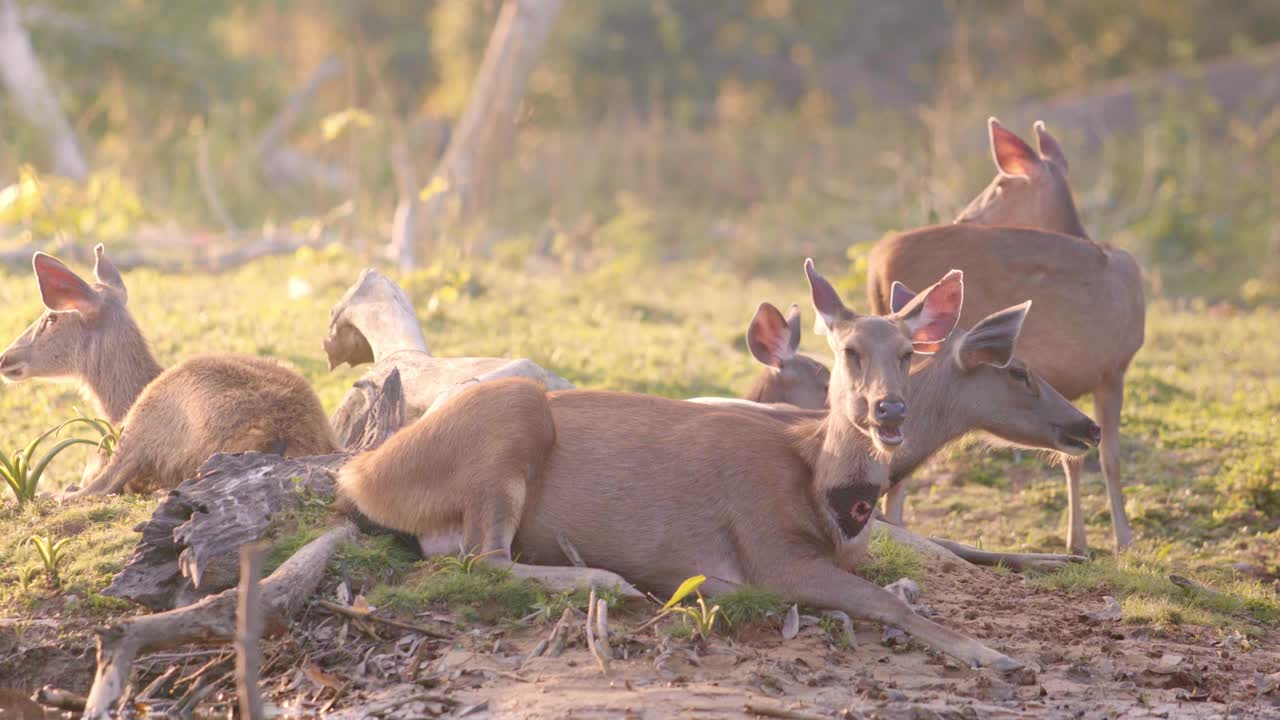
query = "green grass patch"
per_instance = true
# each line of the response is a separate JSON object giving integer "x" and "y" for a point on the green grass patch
{"x": 486, "y": 593}
{"x": 889, "y": 560}
{"x": 101, "y": 538}
{"x": 748, "y": 606}
{"x": 1147, "y": 594}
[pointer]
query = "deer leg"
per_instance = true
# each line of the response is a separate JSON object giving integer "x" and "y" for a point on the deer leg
{"x": 490, "y": 529}
{"x": 1076, "y": 542}
{"x": 824, "y": 586}
{"x": 1107, "y": 401}
{"x": 1019, "y": 562}
{"x": 124, "y": 465}
{"x": 894, "y": 503}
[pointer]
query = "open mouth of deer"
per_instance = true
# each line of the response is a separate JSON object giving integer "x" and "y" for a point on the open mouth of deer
{"x": 1078, "y": 440}
{"x": 889, "y": 433}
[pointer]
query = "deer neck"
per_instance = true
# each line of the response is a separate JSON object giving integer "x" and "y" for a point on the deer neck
{"x": 934, "y": 419}
{"x": 116, "y": 373}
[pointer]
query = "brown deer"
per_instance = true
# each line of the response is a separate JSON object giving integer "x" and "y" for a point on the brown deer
{"x": 656, "y": 490}
{"x": 973, "y": 383}
{"x": 174, "y": 419}
{"x": 1090, "y": 313}
{"x": 787, "y": 378}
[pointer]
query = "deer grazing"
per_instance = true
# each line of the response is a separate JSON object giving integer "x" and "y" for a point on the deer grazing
{"x": 656, "y": 490}
{"x": 1090, "y": 310}
{"x": 973, "y": 382}
{"x": 174, "y": 419}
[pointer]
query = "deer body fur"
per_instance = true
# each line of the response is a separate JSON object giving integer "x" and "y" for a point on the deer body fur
{"x": 1090, "y": 310}
{"x": 172, "y": 420}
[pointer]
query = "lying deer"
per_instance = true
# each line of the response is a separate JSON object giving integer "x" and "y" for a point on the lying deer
{"x": 174, "y": 419}
{"x": 787, "y": 378}
{"x": 1090, "y": 311}
{"x": 972, "y": 383}
{"x": 374, "y": 322}
{"x": 656, "y": 490}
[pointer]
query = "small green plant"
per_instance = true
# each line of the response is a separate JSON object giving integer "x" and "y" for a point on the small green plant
{"x": 464, "y": 562}
{"x": 27, "y": 575}
{"x": 22, "y": 474}
{"x": 50, "y": 552}
{"x": 748, "y": 605}
{"x": 835, "y": 631}
{"x": 701, "y": 618}
{"x": 108, "y": 434}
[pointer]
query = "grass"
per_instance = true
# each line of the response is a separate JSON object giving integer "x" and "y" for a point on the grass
{"x": 1147, "y": 594}
{"x": 889, "y": 560}
{"x": 486, "y": 593}
{"x": 1200, "y": 437}
{"x": 100, "y": 537}
{"x": 748, "y": 606}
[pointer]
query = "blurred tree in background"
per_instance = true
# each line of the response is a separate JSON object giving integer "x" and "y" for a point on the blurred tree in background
{"x": 752, "y": 131}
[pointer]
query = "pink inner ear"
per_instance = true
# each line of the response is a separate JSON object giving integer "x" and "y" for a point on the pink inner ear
{"x": 1012, "y": 155}
{"x": 60, "y": 288}
{"x": 769, "y": 336}
{"x": 941, "y": 311}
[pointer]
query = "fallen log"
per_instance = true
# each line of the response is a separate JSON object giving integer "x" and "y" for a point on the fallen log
{"x": 211, "y": 620}
{"x": 374, "y": 321}
{"x": 190, "y": 546}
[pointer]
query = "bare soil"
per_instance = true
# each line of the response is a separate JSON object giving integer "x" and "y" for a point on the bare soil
{"x": 1077, "y": 667}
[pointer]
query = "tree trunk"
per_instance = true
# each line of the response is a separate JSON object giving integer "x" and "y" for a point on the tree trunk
{"x": 487, "y": 123}
{"x": 22, "y": 76}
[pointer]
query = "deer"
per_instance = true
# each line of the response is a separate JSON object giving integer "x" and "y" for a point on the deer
{"x": 1090, "y": 318}
{"x": 173, "y": 419}
{"x": 788, "y": 378}
{"x": 973, "y": 383}
{"x": 509, "y": 470}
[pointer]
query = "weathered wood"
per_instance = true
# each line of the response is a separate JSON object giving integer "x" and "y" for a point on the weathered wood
{"x": 249, "y": 632}
{"x": 212, "y": 620}
{"x": 189, "y": 545}
{"x": 375, "y": 322}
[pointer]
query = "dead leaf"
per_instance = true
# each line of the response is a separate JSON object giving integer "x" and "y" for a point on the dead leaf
{"x": 791, "y": 625}
{"x": 320, "y": 677}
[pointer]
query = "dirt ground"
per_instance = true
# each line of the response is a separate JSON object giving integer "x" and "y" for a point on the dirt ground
{"x": 1078, "y": 667}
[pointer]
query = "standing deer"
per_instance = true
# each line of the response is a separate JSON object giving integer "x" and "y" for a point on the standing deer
{"x": 1090, "y": 313}
{"x": 174, "y": 419}
{"x": 656, "y": 490}
{"x": 972, "y": 383}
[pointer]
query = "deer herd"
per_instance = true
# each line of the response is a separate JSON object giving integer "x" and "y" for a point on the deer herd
{"x": 1018, "y": 313}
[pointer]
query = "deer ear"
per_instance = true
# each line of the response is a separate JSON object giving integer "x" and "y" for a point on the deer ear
{"x": 991, "y": 341}
{"x": 107, "y": 273}
{"x": 793, "y": 324}
{"x": 62, "y": 290}
{"x": 932, "y": 315}
{"x": 899, "y": 296}
{"x": 1049, "y": 146}
{"x": 768, "y": 336}
{"x": 825, "y": 300}
{"x": 1013, "y": 156}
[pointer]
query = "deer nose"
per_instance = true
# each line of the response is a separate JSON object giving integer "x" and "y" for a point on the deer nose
{"x": 1094, "y": 432}
{"x": 890, "y": 410}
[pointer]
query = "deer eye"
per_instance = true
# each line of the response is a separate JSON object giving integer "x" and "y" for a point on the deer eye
{"x": 1020, "y": 375}
{"x": 852, "y": 355}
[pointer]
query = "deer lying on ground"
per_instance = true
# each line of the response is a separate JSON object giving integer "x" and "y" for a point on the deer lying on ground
{"x": 973, "y": 383}
{"x": 375, "y": 322}
{"x": 656, "y": 490}
{"x": 1090, "y": 311}
{"x": 174, "y": 419}
{"x": 787, "y": 378}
